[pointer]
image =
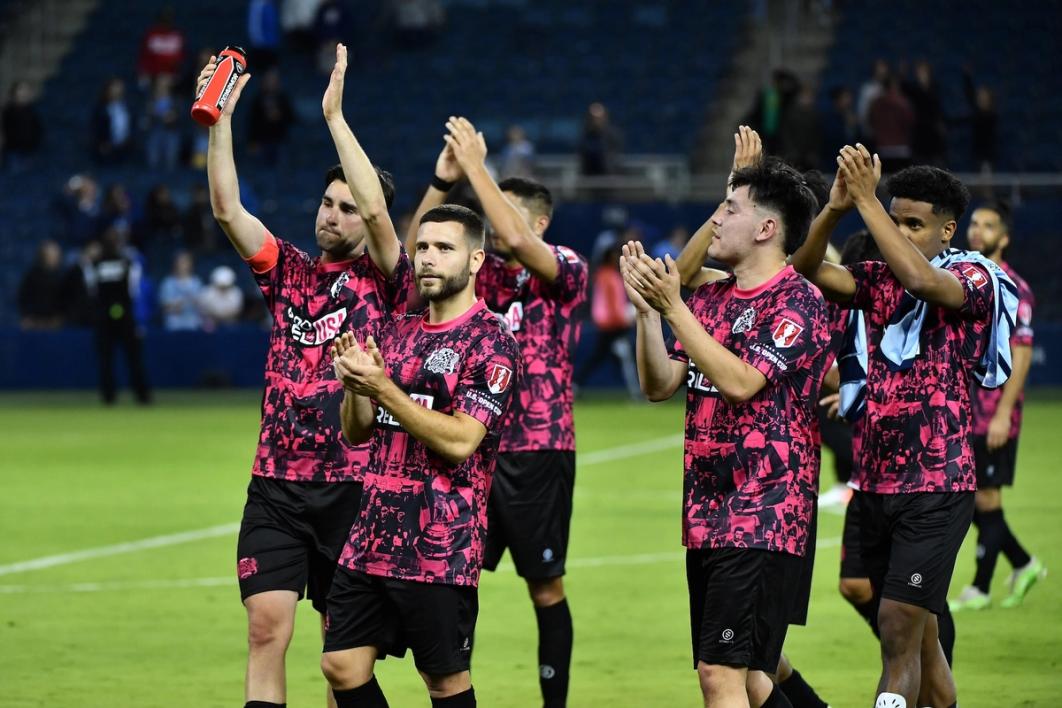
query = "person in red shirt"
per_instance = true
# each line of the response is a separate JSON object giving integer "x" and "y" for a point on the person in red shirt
{"x": 161, "y": 49}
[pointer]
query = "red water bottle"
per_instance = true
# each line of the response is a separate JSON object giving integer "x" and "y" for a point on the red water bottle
{"x": 209, "y": 102}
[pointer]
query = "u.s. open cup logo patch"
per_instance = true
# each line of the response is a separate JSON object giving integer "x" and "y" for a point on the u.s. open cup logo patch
{"x": 976, "y": 276}
{"x": 498, "y": 378}
{"x": 786, "y": 333}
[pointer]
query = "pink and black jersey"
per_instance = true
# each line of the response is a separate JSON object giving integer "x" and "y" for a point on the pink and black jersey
{"x": 421, "y": 517}
{"x": 311, "y": 302}
{"x": 546, "y": 321}
{"x": 917, "y": 424}
{"x": 751, "y": 468}
{"x": 986, "y": 400}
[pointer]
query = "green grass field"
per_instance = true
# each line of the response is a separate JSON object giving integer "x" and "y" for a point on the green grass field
{"x": 163, "y": 625}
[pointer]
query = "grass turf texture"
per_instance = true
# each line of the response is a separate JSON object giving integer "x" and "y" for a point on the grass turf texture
{"x": 78, "y": 476}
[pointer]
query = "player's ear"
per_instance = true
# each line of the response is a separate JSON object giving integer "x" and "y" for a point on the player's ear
{"x": 948, "y": 230}
{"x": 475, "y": 260}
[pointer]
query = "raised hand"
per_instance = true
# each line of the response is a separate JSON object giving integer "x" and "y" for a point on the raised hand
{"x": 655, "y": 280}
{"x": 840, "y": 199}
{"x": 626, "y": 265}
{"x": 861, "y": 172}
{"x": 748, "y": 148}
{"x": 468, "y": 146}
{"x": 204, "y": 77}
{"x": 332, "y": 103}
{"x": 446, "y": 166}
{"x": 832, "y": 404}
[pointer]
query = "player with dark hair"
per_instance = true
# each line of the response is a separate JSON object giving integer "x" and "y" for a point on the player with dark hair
{"x": 752, "y": 350}
{"x": 306, "y": 479}
{"x": 539, "y": 289}
{"x": 430, "y": 396}
{"x": 934, "y": 317}
{"x": 997, "y": 422}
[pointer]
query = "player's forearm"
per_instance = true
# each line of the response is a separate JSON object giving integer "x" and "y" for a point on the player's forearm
{"x": 691, "y": 259}
{"x": 655, "y": 370}
{"x": 365, "y": 187}
{"x": 835, "y": 282}
{"x": 221, "y": 172}
{"x": 1021, "y": 360}
{"x": 431, "y": 199}
{"x": 735, "y": 380}
{"x": 454, "y": 440}
{"x": 357, "y": 417}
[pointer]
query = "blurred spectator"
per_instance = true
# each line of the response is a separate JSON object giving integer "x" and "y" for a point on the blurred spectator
{"x": 22, "y": 128}
{"x": 417, "y": 23}
{"x": 518, "y": 156}
{"x": 79, "y": 303}
{"x": 613, "y": 317}
{"x": 334, "y": 23}
{"x": 800, "y": 135}
{"x": 772, "y": 103}
{"x": 185, "y": 87}
{"x": 40, "y": 294}
{"x": 221, "y": 302}
{"x": 297, "y": 22}
{"x": 179, "y": 295}
{"x": 263, "y": 34}
{"x": 161, "y": 49}
{"x": 928, "y": 141}
{"x": 197, "y": 151}
{"x": 840, "y": 127}
{"x": 113, "y": 279}
{"x": 199, "y": 228}
{"x": 869, "y": 91}
{"x": 79, "y": 207}
{"x": 163, "y": 129}
{"x": 672, "y": 245}
{"x": 161, "y": 225}
{"x": 984, "y": 122}
{"x": 112, "y": 134}
{"x": 116, "y": 210}
{"x": 270, "y": 118}
{"x": 600, "y": 144}
{"x": 891, "y": 122}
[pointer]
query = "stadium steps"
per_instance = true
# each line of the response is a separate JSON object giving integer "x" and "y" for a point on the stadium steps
{"x": 36, "y": 38}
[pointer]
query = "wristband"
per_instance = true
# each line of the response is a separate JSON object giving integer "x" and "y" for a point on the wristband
{"x": 440, "y": 184}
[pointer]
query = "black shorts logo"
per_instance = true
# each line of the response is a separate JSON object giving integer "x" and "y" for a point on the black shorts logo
{"x": 727, "y": 636}
{"x": 916, "y": 580}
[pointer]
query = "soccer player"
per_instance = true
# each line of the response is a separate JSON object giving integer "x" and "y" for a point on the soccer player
{"x": 931, "y": 322}
{"x": 539, "y": 290}
{"x": 431, "y": 396}
{"x": 752, "y": 350}
{"x": 997, "y": 421}
{"x": 306, "y": 480}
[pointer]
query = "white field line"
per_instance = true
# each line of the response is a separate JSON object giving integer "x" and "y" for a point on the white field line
{"x": 590, "y": 458}
{"x": 229, "y": 581}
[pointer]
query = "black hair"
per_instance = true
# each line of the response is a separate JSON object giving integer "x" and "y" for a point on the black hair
{"x": 860, "y": 247}
{"x": 777, "y": 186}
{"x": 535, "y": 196}
{"x": 932, "y": 185}
{"x": 820, "y": 188}
{"x": 469, "y": 219}
{"x": 387, "y": 182}
{"x": 1002, "y": 209}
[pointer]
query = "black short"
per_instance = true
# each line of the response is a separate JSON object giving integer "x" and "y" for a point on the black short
{"x": 530, "y": 512}
{"x": 851, "y": 555}
{"x": 909, "y": 543}
{"x": 437, "y": 622}
{"x": 292, "y": 534}
{"x": 740, "y": 603}
{"x": 798, "y": 608}
{"x": 996, "y": 468}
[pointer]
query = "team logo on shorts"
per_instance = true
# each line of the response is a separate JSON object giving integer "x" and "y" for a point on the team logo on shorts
{"x": 546, "y": 671}
{"x": 442, "y": 361}
{"x": 785, "y": 333}
{"x": 728, "y": 636}
{"x": 975, "y": 275}
{"x": 498, "y": 378}
{"x": 246, "y": 567}
{"x": 916, "y": 580}
{"x": 745, "y": 321}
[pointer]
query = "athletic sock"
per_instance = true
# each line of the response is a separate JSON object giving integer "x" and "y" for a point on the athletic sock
{"x": 991, "y": 532}
{"x": 946, "y": 634}
{"x": 890, "y": 700}
{"x": 263, "y": 704}
{"x": 465, "y": 699}
{"x": 777, "y": 699}
{"x": 554, "y": 652}
{"x": 367, "y": 695}
{"x": 799, "y": 693}
{"x": 1016, "y": 555}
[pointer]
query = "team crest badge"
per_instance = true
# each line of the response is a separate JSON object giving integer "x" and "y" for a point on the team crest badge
{"x": 745, "y": 321}
{"x": 975, "y": 275}
{"x": 442, "y": 361}
{"x": 498, "y": 378}
{"x": 785, "y": 333}
{"x": 341, "y": 281}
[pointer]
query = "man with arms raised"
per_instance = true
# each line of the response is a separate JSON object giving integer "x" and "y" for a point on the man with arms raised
{"x": 306, "y": 479}
{"x": 431, "y": 397}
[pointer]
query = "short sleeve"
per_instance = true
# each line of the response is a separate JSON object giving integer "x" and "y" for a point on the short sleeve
{"x": 289, "y": 260}
{"x": 572, "y": 274}
{"x": 791, "y": 334}
{"x": 1023, "y": 329}
{"x": 869, "y": 277}
{"x": 977, "y": 291}
{"x": 489, "y": 375}
{"x": 393, "y": 291}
